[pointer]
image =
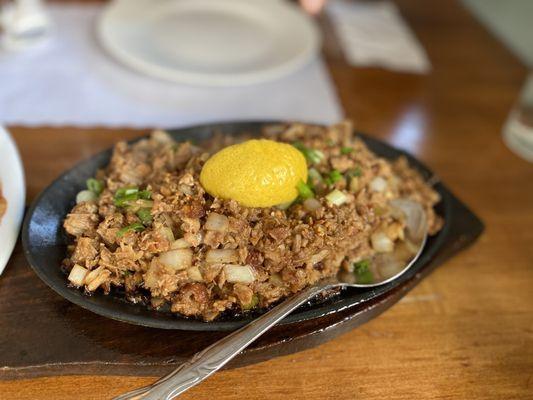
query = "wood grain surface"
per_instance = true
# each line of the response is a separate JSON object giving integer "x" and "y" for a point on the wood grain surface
{"x": 467, "y": 331}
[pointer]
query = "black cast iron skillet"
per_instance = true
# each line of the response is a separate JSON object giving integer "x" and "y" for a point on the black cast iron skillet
{"x": 45, "y": 242}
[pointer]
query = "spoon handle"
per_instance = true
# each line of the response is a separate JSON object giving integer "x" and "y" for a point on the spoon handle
{"x": 214, "y": 357}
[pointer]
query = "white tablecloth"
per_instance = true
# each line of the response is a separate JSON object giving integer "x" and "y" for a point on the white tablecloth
{"x": 71, "y": 81}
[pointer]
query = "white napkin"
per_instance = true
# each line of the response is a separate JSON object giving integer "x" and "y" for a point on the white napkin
{"x": 71, "y": 81}
{"x": 374, "y": 34}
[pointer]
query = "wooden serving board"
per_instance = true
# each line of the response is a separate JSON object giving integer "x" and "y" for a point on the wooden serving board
{"x": 42, "y": 334}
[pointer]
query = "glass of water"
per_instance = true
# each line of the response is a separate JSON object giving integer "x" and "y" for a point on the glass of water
{"x": 518, "y": 129}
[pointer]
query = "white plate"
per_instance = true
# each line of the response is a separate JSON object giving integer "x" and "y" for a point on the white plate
{"x": 14, "y": 191}
{"x": 209, "y": 42}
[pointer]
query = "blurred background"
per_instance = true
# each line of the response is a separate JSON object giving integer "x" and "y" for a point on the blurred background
{"x": 169, "y": 63}
{"x": 446, "y": 81}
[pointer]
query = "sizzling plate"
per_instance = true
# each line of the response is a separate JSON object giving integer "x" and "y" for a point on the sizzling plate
{"x": 45, "y": 242}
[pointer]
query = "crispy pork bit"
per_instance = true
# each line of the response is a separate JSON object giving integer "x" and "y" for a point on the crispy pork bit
{"x": 192, "y": 299}
{"x": 96, "y": 278}
{"x": 82, "y": 220}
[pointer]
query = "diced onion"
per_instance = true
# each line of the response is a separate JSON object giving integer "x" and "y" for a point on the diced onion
{"x": 180, "y": 244}
{"x": 167, "y": 233}
{"x": 221, "y": 256}
{"x": 77, "y": 275}
{"x": 312, "y": 204}
{"x": 194, "y": 274}
{"x": 378, "y": 184}
{"x": 177, "y": 259}
{"x": 381, "y": 242}
{"x": 85, "y": 195}
{"x": 414, "y": 216}
{"x": 216, "y": 222}
{"x": 318, "y": 155}
{"x": 337, "y": 197}
{"x": 239, "y": 273}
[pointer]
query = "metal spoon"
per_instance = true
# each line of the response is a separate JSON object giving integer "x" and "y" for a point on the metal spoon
{"x": 385, "y": 268}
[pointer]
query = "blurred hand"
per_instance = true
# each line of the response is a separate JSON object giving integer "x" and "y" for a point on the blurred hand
{"x": 312, "y": 6}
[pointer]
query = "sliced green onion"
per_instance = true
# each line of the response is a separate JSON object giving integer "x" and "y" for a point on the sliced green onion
{"x": 126, "y": 191}
{"x": 362, "y": 272}
{"x": 125, "y": 194}
{"x": 145, "y": 215}
{"x": 346, "y": 150}
{"x": 135, "y": 227}
{"x": 316, "y": 156}
{"x": 128, "y": 195}
{"x": 95, "y": 186}
{"x": 336, "y": 197}
{"x": 145, "y": 194}
{"x": 300, "y": 146}
{"x": 333, "y": 177}
{"x": 355, "y": 172}
{"x": 312, "y": 156}
{"x": 125, "y": 200}
{"x": 330, "y": 142}
{"x": 304, "y": 190}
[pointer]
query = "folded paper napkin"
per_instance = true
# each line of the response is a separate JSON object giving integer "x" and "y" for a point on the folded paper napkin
{"x": 374, "y": 34}
{"x": 70, "y": 80}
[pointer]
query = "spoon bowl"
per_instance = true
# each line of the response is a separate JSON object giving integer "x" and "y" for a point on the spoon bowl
{"x": 386, "y": 267}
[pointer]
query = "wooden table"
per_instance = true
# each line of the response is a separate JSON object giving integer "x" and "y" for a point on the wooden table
{"x": 467, "y": 331}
